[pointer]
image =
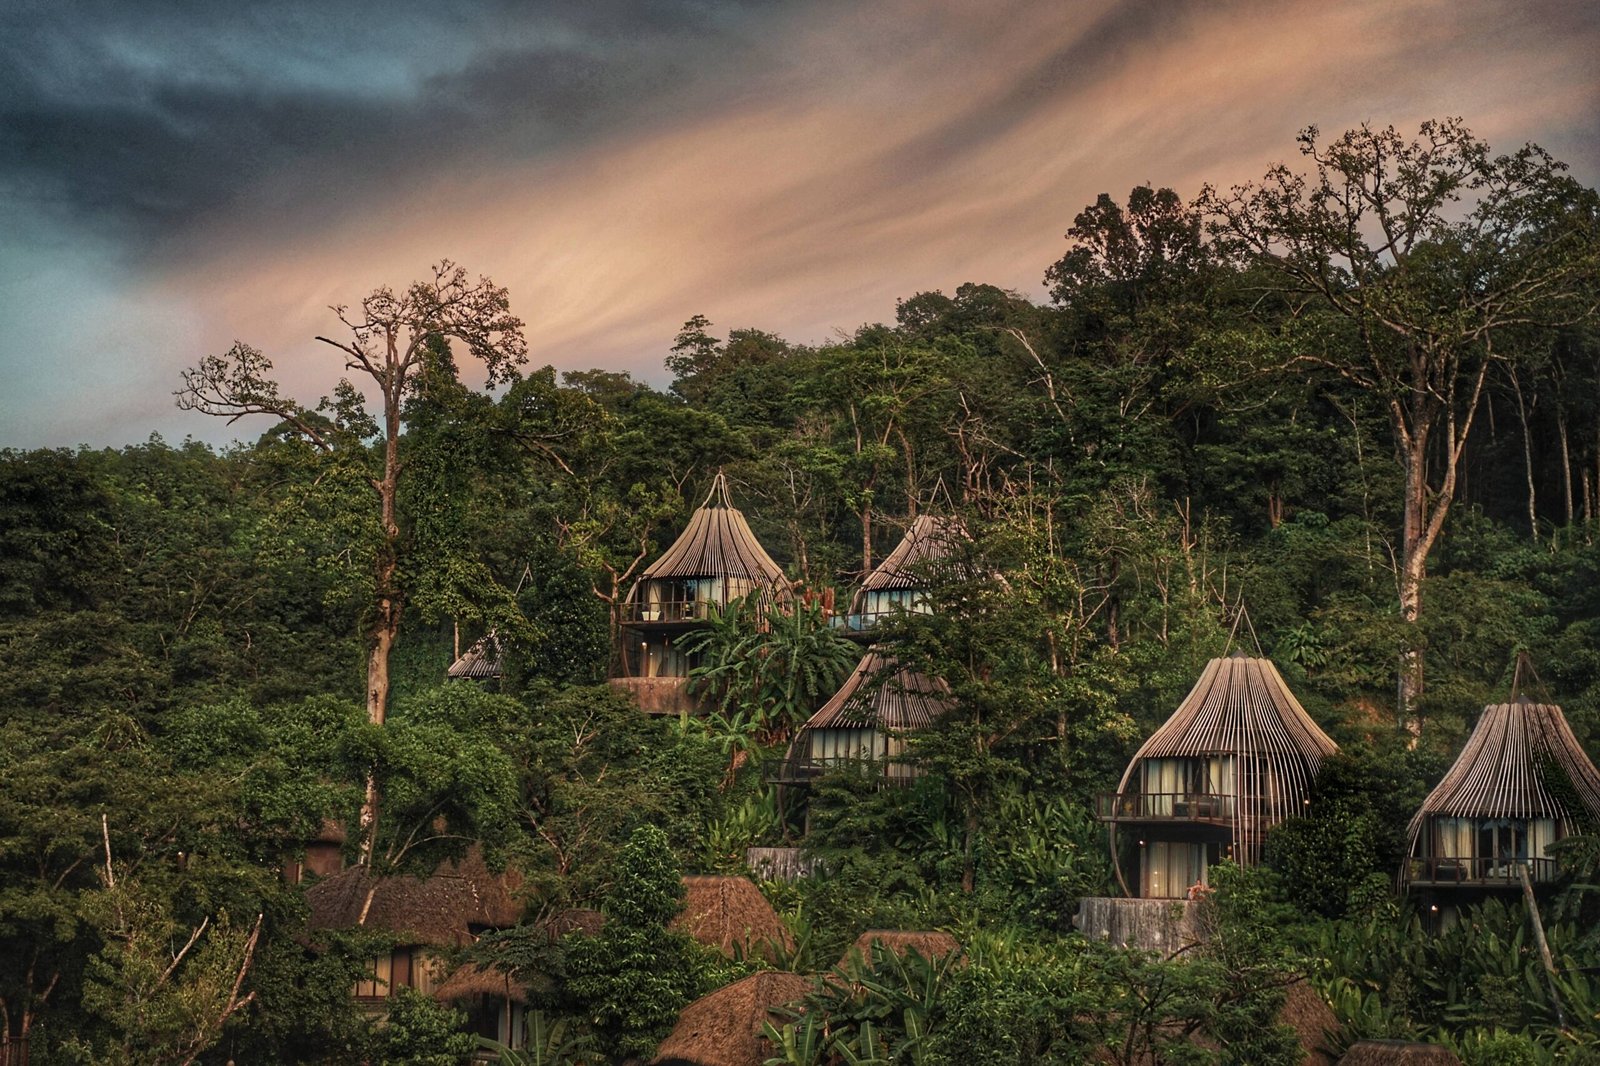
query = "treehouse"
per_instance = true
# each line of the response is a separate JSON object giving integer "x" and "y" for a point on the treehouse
{"x": 1237, "y": 757}
{"x": 715, "y": 561}
{"x": 901, "y": 581}
{"x": 1521, "y": 783}
{"x": 866, "y": 721}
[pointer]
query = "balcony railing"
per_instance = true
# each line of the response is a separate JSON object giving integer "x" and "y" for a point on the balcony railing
{"x": 1477, "y": 872}
{"x": 800, "y": 769}
{"x": 667, "y": 611}
{"x": 1165, "y": 807}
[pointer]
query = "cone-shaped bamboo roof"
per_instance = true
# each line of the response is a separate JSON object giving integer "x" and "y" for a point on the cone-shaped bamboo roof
{"x": 1513, "y": 766}
{"x": 717, "y": 542}
{"x": 881, "y": 693}
{"x": 1240, "y": 706}
{"x": 928, "y": 540}
{"x": 480, "y": 662}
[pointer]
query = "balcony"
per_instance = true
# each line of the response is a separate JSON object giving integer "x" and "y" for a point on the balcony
{"x": 667, "y": 612}
{"x": 1439, "y": 872}
{"x": 801, "y": 769}
{"x": 1202, "y": 807}
{"x": 659, "y": 695}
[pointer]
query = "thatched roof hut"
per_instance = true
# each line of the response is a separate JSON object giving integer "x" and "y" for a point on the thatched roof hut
{"x": 480, "y": 662}
{"x": 723, "y": 1028}
{"x": 1521, "y": 782}
{"x": 718, "y": 552}
{"x": 445, "y": 909}
{"x": 931, "y": 944}
{"x": 722, "y": 911}
{"x": 1397, "y": 1053}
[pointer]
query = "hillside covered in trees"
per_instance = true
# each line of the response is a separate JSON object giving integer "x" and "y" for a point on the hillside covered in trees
{"x": 1346, "y": 418}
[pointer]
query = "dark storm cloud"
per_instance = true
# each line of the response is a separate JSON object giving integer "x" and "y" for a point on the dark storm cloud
{"x": 148, "y": 117}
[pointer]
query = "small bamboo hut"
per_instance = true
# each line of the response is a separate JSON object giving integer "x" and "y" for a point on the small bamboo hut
{"x": 480, "y": 662}
{"x": 867, "y": 719}
{"x": 1237, "y": 757}
{"x": 901, "y": 581}
{"x": 730, "y": 914}
{"x": 724, "y": 1028}
{"x": 1521, "y": 783}
{"x": 714, "y": 561}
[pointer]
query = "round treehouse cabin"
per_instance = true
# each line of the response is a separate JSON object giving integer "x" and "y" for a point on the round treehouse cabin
{"x": 1237, "y": 757}
{"x": 866, "y": 721}
{"x": 900, "y": 582}
{"x": 1521, "y": 783}
{"x": 715, "y": 561}
{"x": 480, "y": 662}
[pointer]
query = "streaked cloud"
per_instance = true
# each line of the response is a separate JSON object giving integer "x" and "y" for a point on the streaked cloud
{"x": 793, "y": 167}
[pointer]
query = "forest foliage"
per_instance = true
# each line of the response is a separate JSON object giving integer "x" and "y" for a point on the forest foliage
{"x": 1366, "y": 444}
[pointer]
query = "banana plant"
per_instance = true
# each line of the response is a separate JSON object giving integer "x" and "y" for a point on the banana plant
{"x": 798, "y": 1043}
{"x": 547, "y": 1045}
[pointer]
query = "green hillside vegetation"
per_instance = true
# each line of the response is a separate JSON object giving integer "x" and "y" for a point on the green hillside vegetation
{"x": 1359, "y": 399}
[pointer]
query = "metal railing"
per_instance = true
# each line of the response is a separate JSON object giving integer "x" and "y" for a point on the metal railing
{"x": 1501, "y": 872}
{"x": 1164, "y": 807}
{"x": 669, "y": 611}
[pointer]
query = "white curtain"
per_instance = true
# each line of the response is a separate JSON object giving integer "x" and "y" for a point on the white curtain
{"x": 1171, "y": 868}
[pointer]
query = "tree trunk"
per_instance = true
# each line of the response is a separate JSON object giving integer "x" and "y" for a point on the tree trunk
{"x": 969, "y": 847}
{"x": 1527, "y": 457}
{"x": 1414, "y": 545}
{"x": 1566, "y": 463}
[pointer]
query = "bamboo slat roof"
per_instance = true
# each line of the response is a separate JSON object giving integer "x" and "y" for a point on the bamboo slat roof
{"x": 928, "y": 540}
{"x": 717, "y": 542}
{"x": 480, "y": 662}
{"x": 1241, "y": 706}
{"x": 1511, "y": 767}
{"x": 880, "y": 693}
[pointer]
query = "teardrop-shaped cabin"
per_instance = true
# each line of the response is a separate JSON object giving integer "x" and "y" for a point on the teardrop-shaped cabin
{"x": 1237, "y": 757}
{"x": 867, "y": 719}
{"x": 901, "y": 581}
{"x": 1521, "y": 782}
{"x": 714, "y": 561}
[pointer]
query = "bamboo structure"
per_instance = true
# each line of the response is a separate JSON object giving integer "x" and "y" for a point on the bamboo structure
{"x": 900, "y": 582}
{"x": 867, "y": 720}
{"x": 1521, "y": 782}
{"x": 715, "y": 561}
{"x": 1237, "y": 757}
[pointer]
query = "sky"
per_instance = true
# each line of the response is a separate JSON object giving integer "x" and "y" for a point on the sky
{"x": 176, "y": 175}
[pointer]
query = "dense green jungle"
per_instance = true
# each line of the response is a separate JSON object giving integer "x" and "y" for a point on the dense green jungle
{"x": 1346, "y": 417}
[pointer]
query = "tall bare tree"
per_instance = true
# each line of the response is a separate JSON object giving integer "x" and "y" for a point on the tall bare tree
{"x": 386, "y": 341}
{"x": 1429, "y": 250}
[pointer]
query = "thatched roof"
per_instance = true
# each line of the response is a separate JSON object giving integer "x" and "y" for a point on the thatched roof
{"x": 928, "y": 540}
{"x": 929, "y": 943}
{"x": 442, "y": 910}
{"x": 724, "y": 1027}
{"x": 1313, "y": 1021}
{"x": 1511, "y": 767}
{"x": 1397, "y": 1053}
{"x": 723, "y": 911}
{"x": 881, "y": 693}
{"x": 717, "y": 542}
{"x": 473, "y": 980}
{"x": 480, "y": 662}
